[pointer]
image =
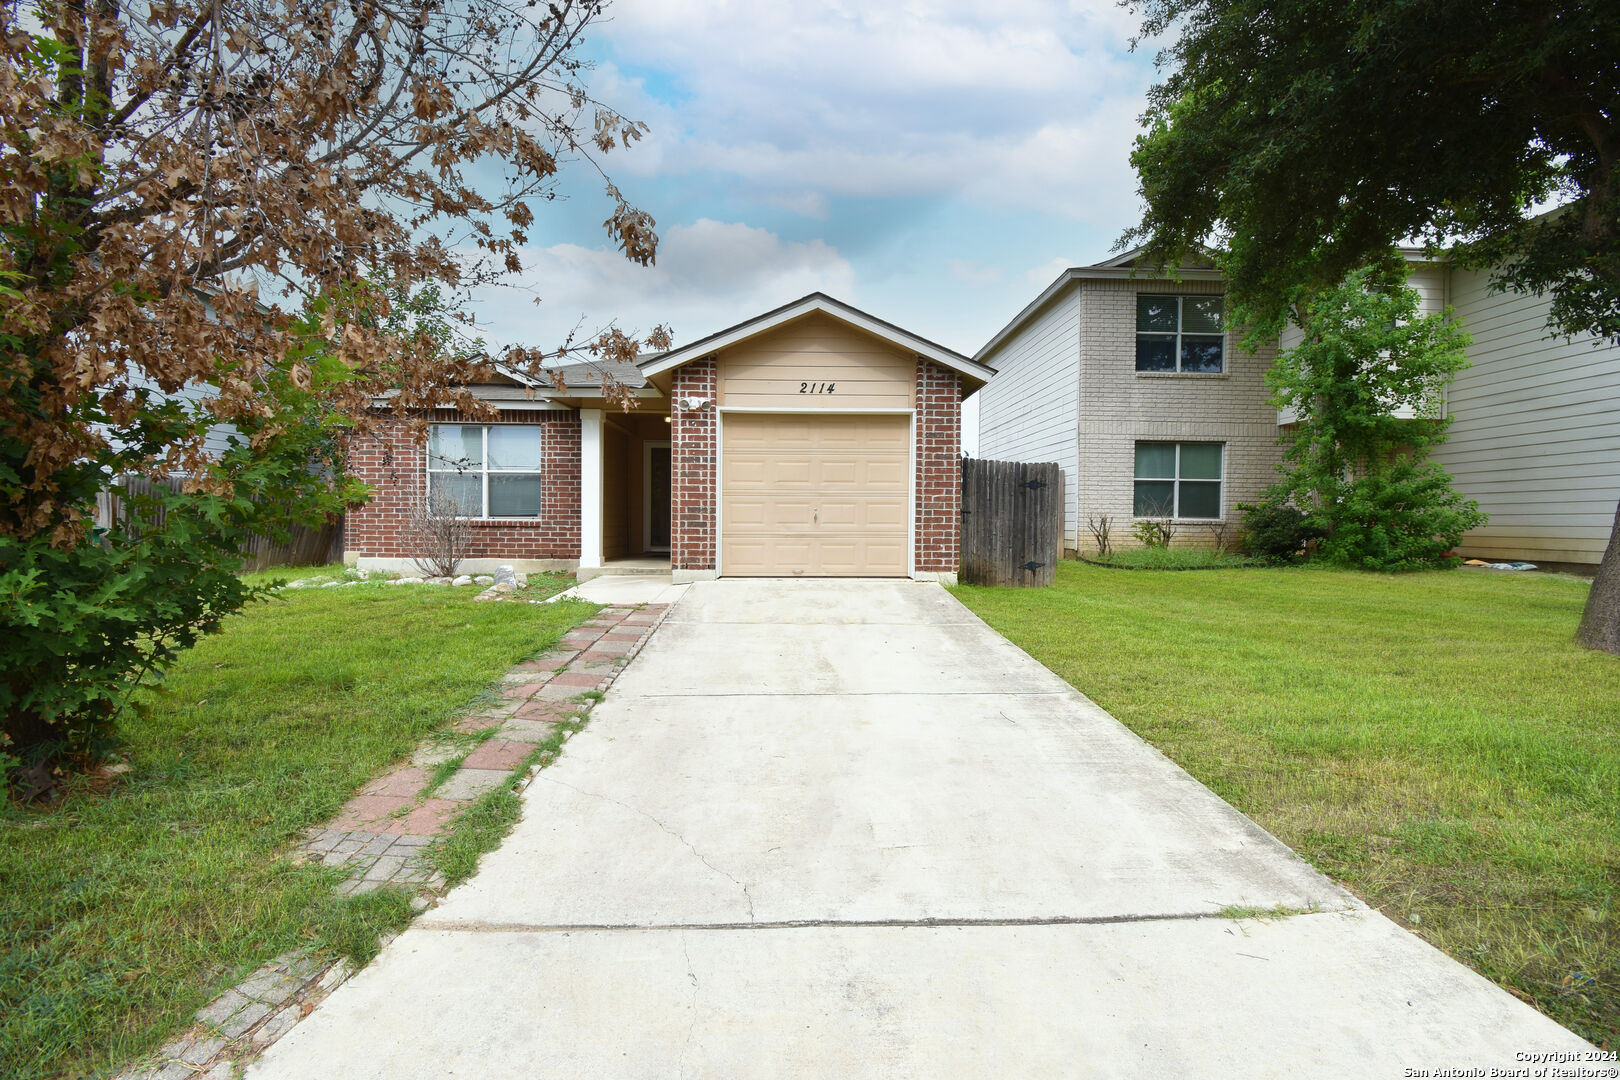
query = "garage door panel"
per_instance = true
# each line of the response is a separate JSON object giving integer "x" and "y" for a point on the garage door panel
{"x": 846, "y": 473}
{"x": 864, "y": 514}
{"x": 853, "y": 556}
{"x": 820, "y": 495}
{"x": 853, "y": 437}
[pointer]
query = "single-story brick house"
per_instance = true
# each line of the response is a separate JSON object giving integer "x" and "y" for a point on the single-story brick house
{"x": 813, "y": 440}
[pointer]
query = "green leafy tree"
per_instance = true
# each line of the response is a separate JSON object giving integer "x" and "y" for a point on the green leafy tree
{"x": 1305, "y": 139}
{"x": 83, "y": 626}
{"x": 1366, "y": 385}
{"x": 181, "y": 177}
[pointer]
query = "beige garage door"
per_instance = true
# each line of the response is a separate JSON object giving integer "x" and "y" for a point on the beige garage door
{"x": 817, "y": 496}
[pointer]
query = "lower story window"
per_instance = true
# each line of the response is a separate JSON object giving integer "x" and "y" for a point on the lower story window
{"x": 484, "y": 470}
{"x": 1178, "y": 480}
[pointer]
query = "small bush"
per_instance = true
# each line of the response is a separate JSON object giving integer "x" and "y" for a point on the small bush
{"x": 1277, "y": 532}
{"x": 1404, "y": 517}
{"x": 1154, "y": 533}
{"x": 1101, "y": 528}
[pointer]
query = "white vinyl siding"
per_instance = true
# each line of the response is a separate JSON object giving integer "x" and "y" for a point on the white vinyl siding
{"x": 1028, "y": 411}
{"x": 1536, "y": 436}
{"x": 1428, "y": 280}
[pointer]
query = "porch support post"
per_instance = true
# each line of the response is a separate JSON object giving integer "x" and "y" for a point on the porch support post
{"x": 590, "y": 489}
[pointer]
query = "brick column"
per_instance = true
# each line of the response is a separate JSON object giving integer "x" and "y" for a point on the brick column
{"x": 693, "y": 497}
{"x": 939, "y": 471}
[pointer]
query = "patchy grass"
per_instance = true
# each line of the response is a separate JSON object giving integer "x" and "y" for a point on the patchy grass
{"x": 444, "y": 770}
{"x": 1237, "y": 912}
{"x": 1436, "y": 741}
{"x": 1157, "y": 558}
{"x": 127, "y": 906}
{"x": 483, "y": 825}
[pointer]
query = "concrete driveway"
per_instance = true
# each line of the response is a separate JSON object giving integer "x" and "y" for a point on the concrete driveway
{"x": 844, "y": 829}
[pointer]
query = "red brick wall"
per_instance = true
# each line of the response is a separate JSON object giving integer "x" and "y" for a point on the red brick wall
{"x": 395, "y": 467}
{"x": 939, "y": 468}
{"x": 693, "y": 497}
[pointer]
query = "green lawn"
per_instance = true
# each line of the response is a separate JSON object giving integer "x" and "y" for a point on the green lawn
{"x": 125, "y": 908}
{"x": 1435, "y": 741}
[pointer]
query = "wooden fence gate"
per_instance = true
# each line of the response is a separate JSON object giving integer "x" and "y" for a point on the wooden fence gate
{"x": 1012, "y": 522}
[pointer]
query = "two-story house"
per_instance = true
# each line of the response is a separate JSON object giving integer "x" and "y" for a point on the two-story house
{"x": 1124, "y": 377}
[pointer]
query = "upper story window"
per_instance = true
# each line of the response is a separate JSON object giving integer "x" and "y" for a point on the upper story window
{"x": 484, "y": 470}
{"x": 1180, "y": 333}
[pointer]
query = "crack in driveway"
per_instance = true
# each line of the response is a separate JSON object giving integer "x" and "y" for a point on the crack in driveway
{"x": 943, "y": 923}
{"x": 747, "y": 896}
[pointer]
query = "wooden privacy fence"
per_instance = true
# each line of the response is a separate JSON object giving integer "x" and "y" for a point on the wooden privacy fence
{"x": 305, "y": 546}
{"x": 1012, "y": 522}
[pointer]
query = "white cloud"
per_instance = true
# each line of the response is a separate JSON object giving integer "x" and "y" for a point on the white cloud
{"x": 709, "y": 275}
{"x": 810, "y": 204}
{"x": 971, "y": 273}
{"x": 1043, "y": 275}
{"x": 1028, "y": 104}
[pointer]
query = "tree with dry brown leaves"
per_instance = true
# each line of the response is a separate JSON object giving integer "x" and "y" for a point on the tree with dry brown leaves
{"x": 184, "y": 187}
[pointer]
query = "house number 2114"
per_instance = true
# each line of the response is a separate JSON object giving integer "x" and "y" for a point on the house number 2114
{"x": 816, "y": 387}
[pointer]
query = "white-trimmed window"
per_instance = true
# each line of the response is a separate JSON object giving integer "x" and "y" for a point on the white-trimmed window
{"x": 484, "y": 470}
{"x": 1180, "y": 333}
{"x": 1179, "y": 480}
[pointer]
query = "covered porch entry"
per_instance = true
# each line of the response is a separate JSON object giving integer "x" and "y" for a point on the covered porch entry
{"x": 625, "y": 472}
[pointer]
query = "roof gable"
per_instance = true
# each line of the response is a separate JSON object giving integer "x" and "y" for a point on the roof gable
{"x": 977, "y": 374}
{"x": 1115, "y": 269}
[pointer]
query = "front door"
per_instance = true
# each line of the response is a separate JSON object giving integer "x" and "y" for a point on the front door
{"x": 658, "y": 498}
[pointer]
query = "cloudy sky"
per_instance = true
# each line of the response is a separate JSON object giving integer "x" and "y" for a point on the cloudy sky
{"x": 935, "y": 163}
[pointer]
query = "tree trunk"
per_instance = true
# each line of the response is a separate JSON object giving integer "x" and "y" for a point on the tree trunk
{"x": 1600, "y": 625}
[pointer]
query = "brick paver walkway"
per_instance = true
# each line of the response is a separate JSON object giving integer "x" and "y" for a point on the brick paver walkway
{"x": 381, "y": 834}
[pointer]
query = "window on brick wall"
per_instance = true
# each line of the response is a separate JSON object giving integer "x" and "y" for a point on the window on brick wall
{"x": 1180, "y": 333}
{"x": 1178, "y": 480}
{"x": 484, "y": 470}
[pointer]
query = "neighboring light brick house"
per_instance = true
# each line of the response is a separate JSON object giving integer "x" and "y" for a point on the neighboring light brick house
{"x": 1113, "y": 372}
{"x": 1130, "y": 386}
{"x": 813, "y": 440}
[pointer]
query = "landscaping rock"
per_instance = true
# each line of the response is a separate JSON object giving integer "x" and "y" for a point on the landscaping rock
{"x": 462, "y": 580}
{"x": 488, "y": 594}
{"x": 505, "y": 575}
{"x": 483, "y": 579}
